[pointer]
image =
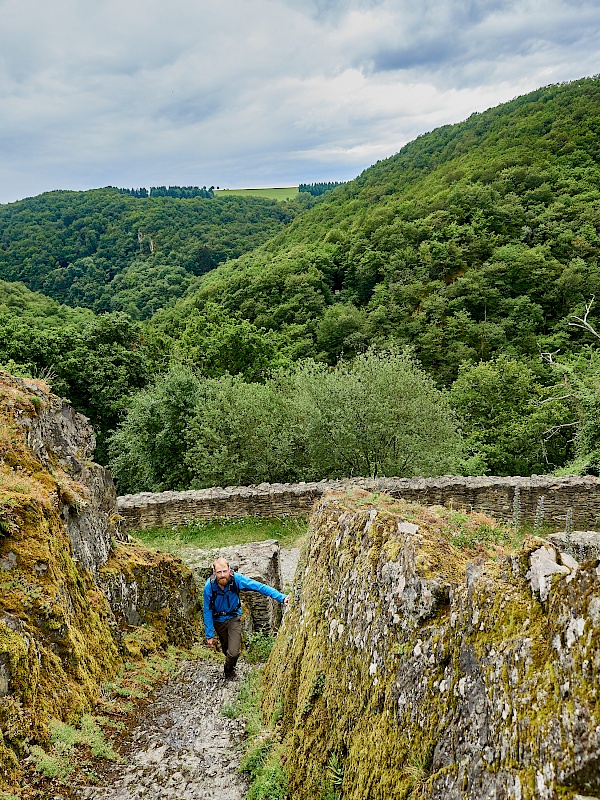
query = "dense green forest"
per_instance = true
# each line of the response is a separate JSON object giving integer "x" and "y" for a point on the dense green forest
{"x": 472, "y": 254}
{"x": 108, "y": 250}
{"x": 170, "y": 191}
{"x": 96, "y": 361}
{"x": 317, "y": 189}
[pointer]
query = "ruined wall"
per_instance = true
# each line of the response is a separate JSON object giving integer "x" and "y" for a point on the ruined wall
{"x": 407, "y": 667}
{"x": 493, "y": 495}
{"x": 64, "y": 623}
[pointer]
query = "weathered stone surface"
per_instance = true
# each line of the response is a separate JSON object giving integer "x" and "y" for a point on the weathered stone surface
{"x": 257, "y": 560}
{"x": 583, "y": 545}
{"x": 543, "y": 568}
{"x": 455, "y": 673}
{"x": 490, "y": 494}
{"x": 183, "y": 747}
{"x": 145, "y": 587}
{"x": 59, "y": 637}
{"x": 63, "y": 441}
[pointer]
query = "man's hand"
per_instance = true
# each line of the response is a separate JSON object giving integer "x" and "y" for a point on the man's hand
{"x": 286, "y": 601}
{"x": 211, "y": 643}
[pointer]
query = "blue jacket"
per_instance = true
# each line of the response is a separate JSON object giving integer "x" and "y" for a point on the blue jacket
{"x": 226, "y": 601}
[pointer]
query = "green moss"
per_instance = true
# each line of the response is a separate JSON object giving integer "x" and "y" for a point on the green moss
{"x": 156, "y": 575}
{"x": 340, "y": 664}
{"x": 54, "y": 638}
{"x": 59, "y": 645}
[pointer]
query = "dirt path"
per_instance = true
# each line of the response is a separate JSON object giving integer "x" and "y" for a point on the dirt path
{"x": 288, "y": 558}
{"x": 183, "y": 747}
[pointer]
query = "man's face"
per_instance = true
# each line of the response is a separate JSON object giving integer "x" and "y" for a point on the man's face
{"x": 222, "y": 573}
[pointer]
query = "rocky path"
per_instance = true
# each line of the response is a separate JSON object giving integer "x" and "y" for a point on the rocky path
{"x": 183, "y": 747}
{"x": 288, "y": 558}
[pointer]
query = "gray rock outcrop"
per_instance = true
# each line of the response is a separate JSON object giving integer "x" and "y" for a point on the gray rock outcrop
{"x": 417, "y": 671}
{"x": 583, "y": 545}
{"x": 60, "y": 639}
{"x": 64, "y": 442}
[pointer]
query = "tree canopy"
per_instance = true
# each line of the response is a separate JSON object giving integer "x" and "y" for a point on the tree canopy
{"x": 475, "y": 246}
{"x": 377, "y": 415}
{"x": 120, "y": 250}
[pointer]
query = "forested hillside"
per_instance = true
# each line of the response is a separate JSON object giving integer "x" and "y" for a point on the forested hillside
{"x": 476, "y": 239}
{"x": 96, "y": 361}
{"x": 110, "y": 251}
{"x": 476, "y": 243}
{"x": 476, "y": 247}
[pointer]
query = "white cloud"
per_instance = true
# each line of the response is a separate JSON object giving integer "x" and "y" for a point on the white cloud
{"x": 257, "y": 92}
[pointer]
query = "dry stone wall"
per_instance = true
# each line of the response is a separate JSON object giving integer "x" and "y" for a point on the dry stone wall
{"x": 405, "y": 668}
{"x": 496, "y": 496}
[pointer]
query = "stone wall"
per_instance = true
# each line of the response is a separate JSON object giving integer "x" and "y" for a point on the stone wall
{"x": 493, "y": 495}
{"x": 406, "y": 667}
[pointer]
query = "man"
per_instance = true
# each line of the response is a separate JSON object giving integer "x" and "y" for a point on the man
{"x": 223, "y": 610}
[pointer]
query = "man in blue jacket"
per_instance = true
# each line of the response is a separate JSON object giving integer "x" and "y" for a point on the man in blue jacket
{"x": 223, "y": 610}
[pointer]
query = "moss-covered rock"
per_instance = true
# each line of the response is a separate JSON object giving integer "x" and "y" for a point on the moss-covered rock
{"x": 147, "y": 587}
{"x": 407, "y": 668}
{"x": 59, "y": 637}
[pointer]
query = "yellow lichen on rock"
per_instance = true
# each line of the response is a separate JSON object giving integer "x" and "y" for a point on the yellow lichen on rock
{"x": 55, "y": 647}
{"x": 423, "y": 672}
{"x": 60, "y": 640}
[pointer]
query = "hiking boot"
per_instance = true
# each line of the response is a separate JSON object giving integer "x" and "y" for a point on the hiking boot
{"x": 229, "y": 666}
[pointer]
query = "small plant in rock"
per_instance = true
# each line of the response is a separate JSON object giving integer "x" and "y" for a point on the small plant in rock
{"x": 516, "y": 515}
{"x": 568, "y": 532}
{"x": 539, "y": 517}
{"x": 60, "y": 760}
{"x": 335, "y": 774}
{"x": 417, "y": 771}
{"x": 258, "y": 646}
{"x": 316, "y": 690}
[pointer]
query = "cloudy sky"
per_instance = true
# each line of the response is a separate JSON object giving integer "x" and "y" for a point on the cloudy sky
{"x": 241, "y": 93}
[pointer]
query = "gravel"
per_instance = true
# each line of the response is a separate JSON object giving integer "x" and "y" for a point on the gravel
{"x": 183, "y": 747}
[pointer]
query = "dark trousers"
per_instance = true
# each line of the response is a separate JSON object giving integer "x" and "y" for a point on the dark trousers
{"x": 230, "y": 636}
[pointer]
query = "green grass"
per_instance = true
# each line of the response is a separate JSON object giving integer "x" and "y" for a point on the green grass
{"x": 60, "y": 761}
{"x": 205, "y": 535}
{"x": 278, "y": 193}
{"x": 263, "y": 757}
{"x": 257, "y": 647}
